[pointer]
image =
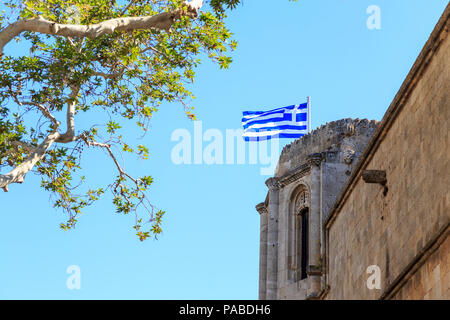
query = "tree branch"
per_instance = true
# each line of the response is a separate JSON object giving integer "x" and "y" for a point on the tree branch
{"x": 69, "y": 135}
{"x": 17, "y": 175}
{"x": 108, "y": 148}
{"x": 118, "y": 188}
{"x": 161, "y": 21}
{"x": 42, "y": 108}
{"x": 15, "y": 149}
{"x": 25, "y": 146}
{"x": 107, "y": 75}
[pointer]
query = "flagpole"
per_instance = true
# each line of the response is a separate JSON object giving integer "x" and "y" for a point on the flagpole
{"x": 309, "y": 113}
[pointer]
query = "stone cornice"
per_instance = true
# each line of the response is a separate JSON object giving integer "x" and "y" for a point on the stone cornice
{"x": 295, "y": 174}
{"x": 418, "y": 261}
{"x": 315, "y": 159}
{"x": 273, "y": 183}
{"x": 261, "y": 208}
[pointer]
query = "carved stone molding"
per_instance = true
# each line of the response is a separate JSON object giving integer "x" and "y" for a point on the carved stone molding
{"x": 376, "y": 176}
{"x": 349, "y": 129}
{"x": 294, "y": 175}
{"x": 261, "y": 208}
{"x": 349, "y": 155}
{"x": 315, "y": 159}
{"x": 312, "y": 270}
{"x": 302, "y": 201}
{"x": 273, "y": 183}
{"x": 299, "y": 172}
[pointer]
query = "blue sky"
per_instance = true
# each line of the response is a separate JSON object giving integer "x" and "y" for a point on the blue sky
{"x": 210, "y": 245}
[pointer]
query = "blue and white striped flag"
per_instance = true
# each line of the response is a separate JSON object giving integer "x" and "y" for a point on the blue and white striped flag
{"x": 287, "y": 122}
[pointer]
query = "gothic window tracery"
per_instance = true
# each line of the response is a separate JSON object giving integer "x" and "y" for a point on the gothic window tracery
{"x": 302, "y": 201}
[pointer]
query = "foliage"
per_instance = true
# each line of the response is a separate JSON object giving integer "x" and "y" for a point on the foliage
{"x": 127, "y": 76}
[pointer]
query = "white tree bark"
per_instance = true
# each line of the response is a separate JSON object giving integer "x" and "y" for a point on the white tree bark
{"x": 69, "y": 136}
{"x": 17, "y": 175}
{"x": 162, "y": 21}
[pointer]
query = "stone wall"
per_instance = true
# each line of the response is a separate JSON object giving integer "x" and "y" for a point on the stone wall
{"x": 393, "y": 231}
{"x": 341, "y": 143}
{"x": 347, "y": 138}
{"x": 431, "y": 280}
{"x": 320, "y": 164}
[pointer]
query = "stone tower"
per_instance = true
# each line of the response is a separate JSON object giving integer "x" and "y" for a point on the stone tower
{"x": 310, "y": 174}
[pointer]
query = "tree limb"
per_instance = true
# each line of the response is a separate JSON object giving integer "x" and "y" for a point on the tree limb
{"x": 15, "y": 149}
{"x": 122, "y": 173}
{"x": 17, "y": 175}
{"x": 108, "y": 75}
{"x": 108, "y": 148}
{"x": 25, "y": 146}
{"x": 42, "y": 108}
{"x": 69, "y": 135}
{"x": 161, "y": 21}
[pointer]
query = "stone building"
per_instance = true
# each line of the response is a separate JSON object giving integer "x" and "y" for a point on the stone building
{"x": 360, "y": 209}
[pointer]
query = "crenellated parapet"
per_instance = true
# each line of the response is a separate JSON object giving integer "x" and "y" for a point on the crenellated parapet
{"x": 340, "y": 141}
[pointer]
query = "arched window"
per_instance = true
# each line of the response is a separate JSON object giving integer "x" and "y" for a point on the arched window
{"x": 298, "y": 235}
{"x": 302, "y": 243}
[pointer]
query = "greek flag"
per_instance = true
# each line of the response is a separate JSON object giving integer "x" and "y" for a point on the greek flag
{"x": 287, "y": 122}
